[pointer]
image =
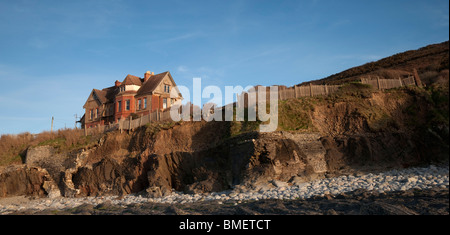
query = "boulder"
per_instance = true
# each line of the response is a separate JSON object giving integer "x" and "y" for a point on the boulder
{"x": 280, "y": 184}
{"x": 35, "y": 155}
{"x": 23, "y": 180}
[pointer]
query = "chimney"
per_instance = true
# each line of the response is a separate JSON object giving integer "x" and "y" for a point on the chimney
{"x": 147, "y": 75}
{"x": 117, "y": 83}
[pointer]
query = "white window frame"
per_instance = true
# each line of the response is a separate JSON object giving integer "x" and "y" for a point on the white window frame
{"x": 164, "y": 103}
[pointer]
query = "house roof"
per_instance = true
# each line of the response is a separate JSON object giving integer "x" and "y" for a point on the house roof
{"x": 108, "y": 95}
{"x": 132, "y": 80}
{"x": 101, "y": 95}
{"x": 152, "y": 83}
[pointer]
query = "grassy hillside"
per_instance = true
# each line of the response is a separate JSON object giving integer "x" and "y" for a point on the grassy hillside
{"x": 429, "y": 60}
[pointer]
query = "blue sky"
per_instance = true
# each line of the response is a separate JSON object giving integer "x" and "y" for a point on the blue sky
{"x": 53, "y": 53}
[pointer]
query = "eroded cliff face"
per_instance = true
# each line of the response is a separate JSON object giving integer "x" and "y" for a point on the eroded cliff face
{"x": 389, "y": 129}
{"x": 382, "y": 130}
{"x": 201, "y": 161}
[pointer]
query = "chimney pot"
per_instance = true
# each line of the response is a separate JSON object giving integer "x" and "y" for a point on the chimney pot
{"x": 147, "y": 75}
{"x": 117, "y": 83}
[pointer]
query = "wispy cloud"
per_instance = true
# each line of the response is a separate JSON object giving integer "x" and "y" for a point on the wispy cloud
{"x": 209, "y": 75}
{"x": 250, "y": 56}
{"x": 163, "y": 40}
{"x": 183, "y": 37}
{"x": 10, "y": 72}
{"x": 182, "y": 69}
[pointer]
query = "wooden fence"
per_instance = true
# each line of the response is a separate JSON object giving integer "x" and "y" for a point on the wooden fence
{"x": 284, "y": 93}
{"x": 382, "y": 84}
{"x": 310, "y": 90}
{"x": 131, "y": 124}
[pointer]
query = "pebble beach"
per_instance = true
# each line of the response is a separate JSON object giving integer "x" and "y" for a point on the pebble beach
{"x": 420, "y": 178}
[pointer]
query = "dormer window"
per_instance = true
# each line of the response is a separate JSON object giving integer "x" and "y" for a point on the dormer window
{"x": 122, "y": 88}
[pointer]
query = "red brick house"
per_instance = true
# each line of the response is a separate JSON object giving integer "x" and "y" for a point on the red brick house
{"x": 133, "y": 95}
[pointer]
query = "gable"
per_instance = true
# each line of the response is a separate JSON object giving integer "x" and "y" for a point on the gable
{"x": 151, "y": 84}
{"x": 166, "y": 80}
{"x": 174, "y": 85}
{"x": 92, "y": 101}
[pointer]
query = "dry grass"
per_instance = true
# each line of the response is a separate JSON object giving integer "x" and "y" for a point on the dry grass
{"x": 13, "y": 147}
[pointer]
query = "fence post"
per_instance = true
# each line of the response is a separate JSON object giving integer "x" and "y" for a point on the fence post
{"x": 326, "y": 89}
{"x": 417, "y": 78}
{"x": 400, "y": 80}
{"x": 310, "y": 90}
{"x": 295, "y": 91}
{"x": 85, "y": 130}
{"x": 129, "y": 125}
{"x": 378, "y": 82}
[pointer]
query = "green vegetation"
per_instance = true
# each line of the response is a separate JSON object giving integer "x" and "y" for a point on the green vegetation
{"x": 436, "y": 101}
{"x": 153, "y": 128}
{"x": 351, "y": 92}
{"x": 295, "y": 114}
{"x": 239, "y": 127}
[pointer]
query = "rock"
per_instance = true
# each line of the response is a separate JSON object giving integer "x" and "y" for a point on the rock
{"x": 331, "y": 212}
{"x": 154, "y": 192}
{"x": 51, "y": 189}
{"x": 36, "y": 154}
{"x": 263, "y": 187}
{"x": 297, "y": 180}
{"x": 106, "y": 177}
{"x": 280, "y": 184}
{"x": 23, "y": 180}
{"x": 412, "y": 179}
